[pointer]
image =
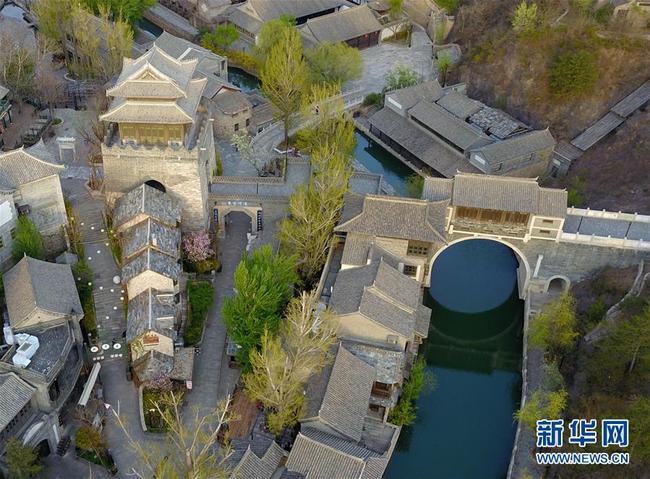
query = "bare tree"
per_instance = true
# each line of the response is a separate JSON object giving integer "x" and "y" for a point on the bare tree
{"x": 192, "y": 449}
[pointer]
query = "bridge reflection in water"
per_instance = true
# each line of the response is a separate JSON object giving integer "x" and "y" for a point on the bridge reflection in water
{"x": 464, "y": 428}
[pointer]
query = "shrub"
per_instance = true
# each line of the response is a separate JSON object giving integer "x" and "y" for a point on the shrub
{"x": 573, "y": 73}
{"x": 200, "y": 296}
{"x": 525, "y": 18}
{"x": 404, "y": 413}
{"x": 83, "y": 276}
{"x": 89, "y": 438}
{"x": 376, "y": 99}
{"x": 401, "y": 77}
{"x": 219, "y": 169}
{"x": 450, "y": 5}
{"x": 596, "y": 312}
{"x": 575, "y": 195}
{"x": 414, "y": 185}
{"x": 27, "y": 240}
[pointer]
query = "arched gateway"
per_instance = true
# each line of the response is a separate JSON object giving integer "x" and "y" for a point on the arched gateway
{"x": 223, "y": 208}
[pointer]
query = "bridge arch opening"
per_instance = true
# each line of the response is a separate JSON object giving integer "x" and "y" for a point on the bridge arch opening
{"x": 557, "y": 284}
{"x": 523, "y": 269}
{"x": 156, "y": 184}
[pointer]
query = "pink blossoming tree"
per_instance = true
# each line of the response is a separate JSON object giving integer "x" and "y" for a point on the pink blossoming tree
{"x": 197, "y": 246}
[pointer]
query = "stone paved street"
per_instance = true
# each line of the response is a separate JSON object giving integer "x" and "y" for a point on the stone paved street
{"x": 379, "y": 60}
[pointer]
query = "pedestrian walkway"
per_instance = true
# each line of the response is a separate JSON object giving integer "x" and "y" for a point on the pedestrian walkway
{"x": 108, "y": 296}
{"x": 213, "y": 380}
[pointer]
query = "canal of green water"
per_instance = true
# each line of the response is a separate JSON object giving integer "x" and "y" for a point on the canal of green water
{"x": 464, "y": 427}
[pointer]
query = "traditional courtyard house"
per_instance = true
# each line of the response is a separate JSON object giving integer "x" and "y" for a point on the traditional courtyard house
{"x": 379, "y": 315}
{"x": 249, "y": 17}
{"x": 444, "y": 131}
{"x": 159, "y": 134}
{"x": 5, "y": 112}
{"x": 356, "y": 26}
{"x": 228, "y": 106}
{"x": 30, "y": 185}
{"x": 43, "y": 345}
{"x": 337, "y": 438}
{"x": 504, "y": 207}
{"x": 403, "y": 231}
{"x": 18, "y": 407}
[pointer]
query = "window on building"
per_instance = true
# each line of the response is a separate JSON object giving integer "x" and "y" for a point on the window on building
{"x": 410, "y": 270}
{"x": 236, "y": 126}
{"x": 418, "y": 248}
{"x": 248, "y": 121}
{"x": 2, "y": 243}
{"x": 547, "y": 221}
{"x": 545, "y": 232}
{"x": 13, "y": 233}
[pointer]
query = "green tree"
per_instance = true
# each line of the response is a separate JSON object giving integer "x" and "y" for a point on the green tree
{"x": 554, "y": 328}
{"x": 334, "y": 63}
{"x": 284, "y": 77}
{"x": 284, "y": 363}
{"x": 27, "y": 240}
{"x": 444, "y": 64}
{"x": 395, "y": 8}
{"x": 263, "y": 283}
{"x": 131, "y": 11}
{"x": 89, "y": 438}
{"x": 405, "y": 412}
{"x": 271, "y": 34}
{"x": 400, "y": 77}
{"x": 573, "y": 73}
{"x": 22, "y": 461}
{"x": 638, "y": 414}
{"x": 542, "y": 405}
{"x": 97, "y": 45}
{"x": 414, "y": 185}
{"x": 221, "y": 38}
{"x": 525, "y": 19}
{"x": 625, "y": 349}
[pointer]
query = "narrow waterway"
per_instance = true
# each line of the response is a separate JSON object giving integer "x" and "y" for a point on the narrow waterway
{"x": 464, "y": 428}
{"x": 243, "y": 79}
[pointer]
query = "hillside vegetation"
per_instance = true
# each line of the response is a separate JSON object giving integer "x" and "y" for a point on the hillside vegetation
{"x": 559, "y": 64}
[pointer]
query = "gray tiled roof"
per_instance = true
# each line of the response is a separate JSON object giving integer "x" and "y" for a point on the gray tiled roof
{"x": 447, "y": 125}
{"x": 33, "y": 284}
{"x": 14, "y": 395}
{"x": 152, "y": 365}
{"x": 352, "y": 206}
{"x": 319, "y": 455}
{"x": 517, "y": 146}
{"x": 343, "y": 25}
{"x": 379, "y": 292}
{"x": 388, "y": 363}
{"x": 151, "y": 260}
{"x": 343, "y": 402}
{"x": 52, "y": 343}
{"x": 397, "y": 218}
{"x": 459, "y": 105}
{"x": 255, "y": 464}
{"x": 422, "y": 320}
{"x": 503, "y": 193}
{"x": 245, "y": 20}
{"x": 151, "y": 310}
{"x": 150, "y": 233}
{"x": 231, "y": 102}
{"x": 183, "y": 364}
{"x": 24, "y": 165}
{"x": 436, "y": 189}
{"x": 409, "y": 96}
{"x": 434, "y": 152}
{"x": 178, "y": 74}
{"x": 149, "y": 202}
{"x": 272, "y": 9}
{"x": 356, "y": 249}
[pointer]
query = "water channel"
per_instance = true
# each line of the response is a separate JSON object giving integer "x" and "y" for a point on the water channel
{"x": 464, "y": 428}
